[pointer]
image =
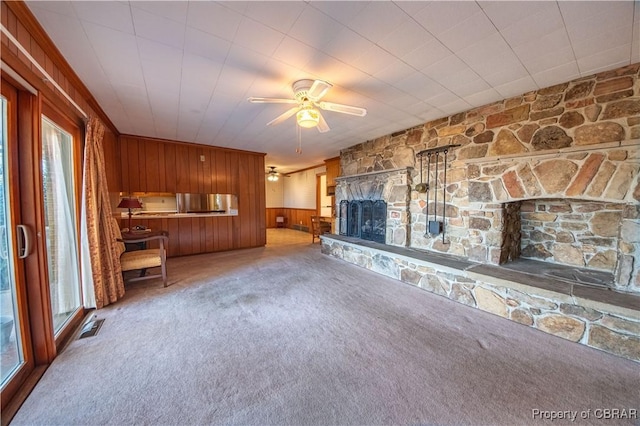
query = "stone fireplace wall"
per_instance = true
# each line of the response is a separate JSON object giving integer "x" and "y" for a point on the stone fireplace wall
{"x": 576, "y": 141}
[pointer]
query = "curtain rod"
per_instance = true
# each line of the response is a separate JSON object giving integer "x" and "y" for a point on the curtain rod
{"x": 41, "y": 69}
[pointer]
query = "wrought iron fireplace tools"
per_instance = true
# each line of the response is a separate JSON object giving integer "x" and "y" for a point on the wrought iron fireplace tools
{"x": 435, "y": 226}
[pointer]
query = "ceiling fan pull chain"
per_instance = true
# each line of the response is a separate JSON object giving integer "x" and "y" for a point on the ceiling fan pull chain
{"x": 299, "y": 134}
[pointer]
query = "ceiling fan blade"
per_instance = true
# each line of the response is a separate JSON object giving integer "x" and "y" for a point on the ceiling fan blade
{"x": 344, "y": 109}
{"x": 318, "y": 89}
{"x": 322, "y": 126}
{"x": 279, "y": 119}
{"x": 255, "y": 100}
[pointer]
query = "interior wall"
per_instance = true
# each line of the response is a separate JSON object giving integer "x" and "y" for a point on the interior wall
{"x": 300, "y": 189}
{"x": 275, "y": 193}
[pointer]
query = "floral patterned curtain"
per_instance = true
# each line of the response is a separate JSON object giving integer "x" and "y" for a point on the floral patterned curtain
{"x": 99, "y": 239}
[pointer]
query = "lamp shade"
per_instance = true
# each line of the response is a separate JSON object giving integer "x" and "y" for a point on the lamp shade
{"x": 308, "y": 118}
{"x": 130, "y": 203}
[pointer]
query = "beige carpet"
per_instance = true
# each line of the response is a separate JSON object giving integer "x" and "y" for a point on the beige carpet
{"x": 286, "y": 335}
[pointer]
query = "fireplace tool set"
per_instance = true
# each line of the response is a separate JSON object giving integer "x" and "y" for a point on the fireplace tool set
{"x": 435, "y": 226}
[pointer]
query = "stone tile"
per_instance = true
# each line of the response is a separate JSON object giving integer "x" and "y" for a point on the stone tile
{"x": 585, "y": 175}
{"x": 602, "y": 132}
{"x": 614, "y": 342}
{"x": 555, "y": 175}
{"x": 562, "y": 326}
{"x": 512, "y": 115}
{"x": 551, "y": 137}
{"x": 491, "y": 302}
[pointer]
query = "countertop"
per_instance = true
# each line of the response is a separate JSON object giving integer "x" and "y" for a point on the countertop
{"x": 169, "y": 215}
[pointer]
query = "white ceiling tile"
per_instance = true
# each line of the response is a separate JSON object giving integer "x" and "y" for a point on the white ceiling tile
{"x": 346, "y": 45}
{"x": 483, "y": 98}
{"x": 419, "y": 85}
{"x": 117, "y": 53}
{"x": 445, "y": 68}
{"x": 464, "y": 87}
{"x": 540, "y": 46}
{"x": 314, "y": 28}
{"x": 518, "y": 87}
{"x": 550, "y": 59}
{"x": 378, "y": 20}
{"x": 373, "y": 59}
{"x": 412, "y": 7}
{"x": 508, "y": 71}
{"x": 240, "y": 57}
{"x": 468, "y": 31}
{"x": 63, "y": 8}
{"x": 604, "y": 59}
{"x": 454, "y": 107}
{"x": 615, "y": 17}
{"x": 602, "y": 41}
{"x": 439, "y": 16}
{"x": 279, "y": 15}
{"x": 174, "y": 10}
{"x": 407, "y": 37}
{"x": 505, "y": 13}
{"x": 574, "y": 12}
{"x": 157, "y": 28}
{"x": 114, "y": 15}
{"x": 427, "y": 54}
{"x": 258, "y": 37}
{"x": 533, "y": 27}
{"x": 294, "y": 53}
{"x": 395, "y": 70}
{"x": 213, "y": 18}
{"x": 206, "y": 45}
{"x": 557, "y": 75}
{"x": 340, "y": 11}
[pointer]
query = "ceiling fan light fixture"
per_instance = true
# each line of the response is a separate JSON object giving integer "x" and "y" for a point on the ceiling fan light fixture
{"x": 272, "y": 175}
{"x": 308, "y": 118}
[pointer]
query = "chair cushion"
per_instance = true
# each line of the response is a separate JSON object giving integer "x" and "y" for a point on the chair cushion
{"x": 140, "y": 259}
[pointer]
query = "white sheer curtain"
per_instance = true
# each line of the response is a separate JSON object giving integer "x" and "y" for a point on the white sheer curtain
{"x": 60, "y": 220}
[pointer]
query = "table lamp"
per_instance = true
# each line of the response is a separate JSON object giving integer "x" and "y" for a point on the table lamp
{"x": 130, "y": 203}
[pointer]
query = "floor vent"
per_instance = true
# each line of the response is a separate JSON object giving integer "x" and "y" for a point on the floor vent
{"x": 91, "y": 328}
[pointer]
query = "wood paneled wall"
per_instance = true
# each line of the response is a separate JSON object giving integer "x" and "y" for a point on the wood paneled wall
{"x": 154, "y": 165}
{"x": 292, "y": 216}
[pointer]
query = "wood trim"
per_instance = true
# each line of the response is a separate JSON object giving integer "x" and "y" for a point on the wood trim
{"x": 35, "y": 30}
{"x": 35, "y": 79}
{"x": 15, "y": 384}
{"x": 305, "y": 169}
{"x": 13, "y": 405}
{"x": 76, "y": 130}
{"x": 192, "y": 144}
{"x": 29, "y": 136}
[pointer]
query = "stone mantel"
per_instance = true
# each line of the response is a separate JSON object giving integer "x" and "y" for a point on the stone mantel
{"x": 374, "y": 173}
{"x": 547, "y": 153}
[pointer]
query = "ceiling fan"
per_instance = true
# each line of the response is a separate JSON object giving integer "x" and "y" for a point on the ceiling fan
{"x": 308, "y": 95}
{"x": 272, "y": 175}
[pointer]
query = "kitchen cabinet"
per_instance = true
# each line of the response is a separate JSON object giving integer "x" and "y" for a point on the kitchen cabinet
{"x": 160, "y": 166}
{"x": 332, "y": 166}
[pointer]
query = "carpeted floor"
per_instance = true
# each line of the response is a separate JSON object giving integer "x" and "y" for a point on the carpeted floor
{"x": 285, "y": 335}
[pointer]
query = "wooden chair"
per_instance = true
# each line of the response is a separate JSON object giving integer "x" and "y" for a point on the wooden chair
{"x": 318, "y": 228}
{"x": 143, "y": 259}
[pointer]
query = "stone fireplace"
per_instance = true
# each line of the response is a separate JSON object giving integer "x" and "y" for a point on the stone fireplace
{"x": 388, "y": 187}
{"x": 549, "y": 178}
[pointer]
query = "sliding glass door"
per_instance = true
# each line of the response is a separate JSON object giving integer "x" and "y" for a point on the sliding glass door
{"x": 58, "y": 179}
{"x": 12, "y": 354}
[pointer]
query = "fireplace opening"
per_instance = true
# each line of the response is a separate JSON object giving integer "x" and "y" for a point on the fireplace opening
{"x": 574, "y": 240}
{"x": 365, "y": 219}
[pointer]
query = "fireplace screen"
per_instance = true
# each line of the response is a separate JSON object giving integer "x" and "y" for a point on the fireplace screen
{"x": 365, "y": 219}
